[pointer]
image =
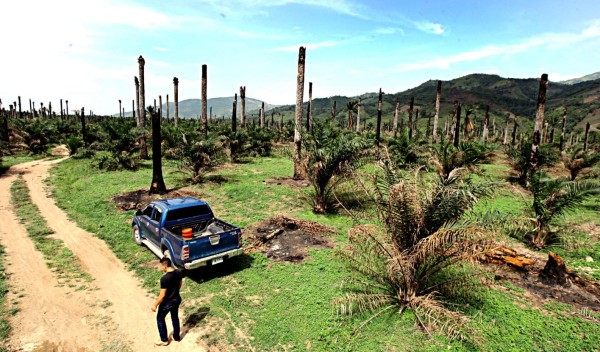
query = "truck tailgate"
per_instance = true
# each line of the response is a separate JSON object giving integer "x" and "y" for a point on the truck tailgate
{"x": 209, "y": 245}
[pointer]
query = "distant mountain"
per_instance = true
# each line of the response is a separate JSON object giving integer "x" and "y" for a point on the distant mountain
{"x": 504, "y": 96}
{"x": 191, "y": 108}
{"x": 585, "y": 78}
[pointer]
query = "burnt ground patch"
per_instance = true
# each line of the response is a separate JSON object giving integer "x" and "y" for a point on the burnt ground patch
{"x": 577, "y": 291}
{"x": 284, "y": 238}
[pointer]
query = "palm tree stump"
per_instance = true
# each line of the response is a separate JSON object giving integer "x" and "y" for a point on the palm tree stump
{"x": 555, "y": 272}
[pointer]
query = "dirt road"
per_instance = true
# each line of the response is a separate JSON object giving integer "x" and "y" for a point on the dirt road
{"x": 116, "y": 312}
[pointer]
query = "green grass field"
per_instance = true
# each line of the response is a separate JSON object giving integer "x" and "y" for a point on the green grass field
{"x": 274, "y": 306}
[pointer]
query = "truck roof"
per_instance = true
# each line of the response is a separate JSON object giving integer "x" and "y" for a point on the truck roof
{"x": 176, "y": 203}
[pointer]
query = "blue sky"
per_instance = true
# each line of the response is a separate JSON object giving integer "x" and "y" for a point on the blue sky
{"x": 86, "y": 51}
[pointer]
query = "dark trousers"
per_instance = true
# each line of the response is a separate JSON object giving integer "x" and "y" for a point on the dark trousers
{"x": 164, "y": 308}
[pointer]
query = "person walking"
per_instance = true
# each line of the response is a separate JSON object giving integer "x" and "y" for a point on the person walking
{"x": 168, "y": 301}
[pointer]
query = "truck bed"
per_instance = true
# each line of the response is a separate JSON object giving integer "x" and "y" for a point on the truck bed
{"x": 201, "y": 228}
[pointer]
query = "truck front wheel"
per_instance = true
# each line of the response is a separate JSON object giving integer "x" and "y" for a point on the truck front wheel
{"x": 137, "y": 237}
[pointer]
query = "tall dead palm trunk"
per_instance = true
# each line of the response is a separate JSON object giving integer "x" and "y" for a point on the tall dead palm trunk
{"x": 5, "y": 131}
{"x": 21, "y": 112}
{"x": 486, "y": 124}
{"x": 564, "y": 128}
{"x": 176, "y": 97}
{"x": 204, "y": 102}
{"x": 539, "y": 120}
{"x": 167, "y": 107}
{"x": 243, "y": 99}
{"x": 378, "y": 130}
{"x": 586, "y": 138}
{"x": 142, "y": 104}
{"x": 67, "y": 109}
{"x": 234, "y": 115}
{"x": 410, "y": 117}
{"x": 158, "y": 183}
{"x": 438, "y": 98}
{"x": 395, "y": 128}
{"x": 83, "y": 129}
{"x": 30, "y": 109}
{"x": 309, "y": 120}
{"x": 262, "y": 115}
{"x": 514, "y": 132}
{"x": 505, "y": 140}
{"x": 416, "y": 124}
{"x": 298, "y": 122}
{"x": 137, "y": 99}
{"x": 457, "y": 125}
{"x": 334, "y": 111}
{"x": 120, "y": 108}
{"x": 358, "y": 116}
{"x": 133, "y": 108}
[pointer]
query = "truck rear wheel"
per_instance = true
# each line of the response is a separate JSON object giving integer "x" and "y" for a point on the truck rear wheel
{"x": 137, "y": 237}
{"x": 167, "y": 254}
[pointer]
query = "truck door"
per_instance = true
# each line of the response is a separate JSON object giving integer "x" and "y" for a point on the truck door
{"x": 153, "y": 226}
{"x": 145, "y": 221}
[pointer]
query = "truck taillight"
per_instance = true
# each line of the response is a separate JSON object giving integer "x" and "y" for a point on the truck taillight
{"x": 185, "y": 253}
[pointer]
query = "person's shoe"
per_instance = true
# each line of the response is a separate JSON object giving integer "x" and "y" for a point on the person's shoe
{"x": 177, "y": 338}
{"x": 161, "y": 343}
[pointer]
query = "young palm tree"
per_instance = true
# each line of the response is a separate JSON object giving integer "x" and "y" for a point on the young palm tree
{"x": 447, "y": 158}
{"x": 413, "y": 260}
{"x": 552, "y": 198}
{"x": 330, "y": 154}
{"x": 579, "y": 160}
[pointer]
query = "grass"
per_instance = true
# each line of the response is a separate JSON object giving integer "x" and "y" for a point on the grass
{"x": 283, "y": 306}
{"x": 58, "y": 257}
{"x": 5, "y": 310}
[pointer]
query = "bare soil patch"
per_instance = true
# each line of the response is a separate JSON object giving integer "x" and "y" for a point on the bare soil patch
{"x": 580, "y": 292}
{"x": 288, "y": 239}
{"x": 138, "y": 199}
{"x": 287, "y": 181}
{"x": 60, "y": 150}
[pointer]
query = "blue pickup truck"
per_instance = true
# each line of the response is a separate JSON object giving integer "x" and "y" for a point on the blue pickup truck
{"x": 186, "y": 231}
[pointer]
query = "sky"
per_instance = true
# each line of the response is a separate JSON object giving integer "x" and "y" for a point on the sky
{"x": 86, "y": 51}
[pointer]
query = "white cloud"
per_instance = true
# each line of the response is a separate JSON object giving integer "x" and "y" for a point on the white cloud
{"x": 241, "y": 7}
{"x": 388, "y": 30}
{"x": 429, "y": 27}
{"x": 549, "y": 39}
{"x": 158, "y": 48}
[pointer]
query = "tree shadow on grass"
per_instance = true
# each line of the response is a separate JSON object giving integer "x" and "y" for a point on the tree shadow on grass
{"x": 193, "y": 319}
{"x": 210, "y": 272}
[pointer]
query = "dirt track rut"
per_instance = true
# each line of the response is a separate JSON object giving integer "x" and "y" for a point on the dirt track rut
{"x": 62, "y": 317}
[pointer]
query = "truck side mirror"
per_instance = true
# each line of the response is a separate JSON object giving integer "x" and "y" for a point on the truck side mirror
{"x": 138, "y": 212}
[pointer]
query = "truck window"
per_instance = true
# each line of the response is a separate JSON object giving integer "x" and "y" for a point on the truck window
{"x": 188, "y": 212}
{"x": 147, "y": 211}
{"x": 156, "y": 215}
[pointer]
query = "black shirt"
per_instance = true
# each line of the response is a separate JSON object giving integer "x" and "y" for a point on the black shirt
{"x": 171, "y": 281}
